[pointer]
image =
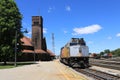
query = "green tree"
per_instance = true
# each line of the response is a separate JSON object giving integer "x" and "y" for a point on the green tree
{"x": 10, "y": 21}
{"x": 116, "y": 52}
{"x": 102, "y": 53}
{"x": 107, "y": 51}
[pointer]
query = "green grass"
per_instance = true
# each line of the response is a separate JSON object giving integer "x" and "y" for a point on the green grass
{"x": 11, "y": 64}
{"x": 6, "y": 66}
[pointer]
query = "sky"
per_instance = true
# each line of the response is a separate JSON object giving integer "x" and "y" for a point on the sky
{"x": 97, "y": 21}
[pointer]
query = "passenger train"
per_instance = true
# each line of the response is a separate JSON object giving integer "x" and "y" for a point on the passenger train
{"x": 75, "y": 53}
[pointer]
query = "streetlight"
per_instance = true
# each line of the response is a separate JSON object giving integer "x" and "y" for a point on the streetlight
{"x": 15, "y": 64}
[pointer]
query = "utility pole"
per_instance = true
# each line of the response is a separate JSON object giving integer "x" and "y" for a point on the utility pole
{"x": 53, "y": 43}
{"x": 16, "y": 35}
{"x": 15, "y": 64}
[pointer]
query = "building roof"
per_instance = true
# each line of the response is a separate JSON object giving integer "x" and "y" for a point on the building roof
{"x": 51, "y": 53}
{"x": 26, "y": 41}
{"x": 39, "y": 51}
{"x": 27, "y": 51}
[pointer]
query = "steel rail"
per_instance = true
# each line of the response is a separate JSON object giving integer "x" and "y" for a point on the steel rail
{"x": 98, "y": 75}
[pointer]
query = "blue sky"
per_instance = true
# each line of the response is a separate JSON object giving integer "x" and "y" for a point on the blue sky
{"x": 97, "y": 21}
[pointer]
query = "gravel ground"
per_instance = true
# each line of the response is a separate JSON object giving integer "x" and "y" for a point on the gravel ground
{"x": 52, "y": 70}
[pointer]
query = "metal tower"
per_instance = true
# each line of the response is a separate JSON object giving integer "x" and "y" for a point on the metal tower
{"x": 53, "y": 43}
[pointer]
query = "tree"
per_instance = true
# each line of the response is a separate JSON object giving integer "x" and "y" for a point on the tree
{"x": 107, "y": 51}
{"x": 102, "y": 53}
{"x": 116, "y": 52}
{"x": 10, "y": 21}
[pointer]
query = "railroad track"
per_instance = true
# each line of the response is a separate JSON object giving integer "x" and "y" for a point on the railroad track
{"x": 116, "y": 67}
{"x": 105, "y": 61}
{"x": 98, "y": 75}
{"x": 106, "y": 64}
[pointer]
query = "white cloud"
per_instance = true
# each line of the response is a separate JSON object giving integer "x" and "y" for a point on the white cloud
{"x": 26, "y": 24}
{"x": 90, "y": 42}
{"x": 109, "y": 37}
{"x": 29, "y": 32}
{"x": 65, "y": 31}
{"x": 28, "y": 36}
{"x": 50, "y": 9}
{"x": 87, "y": 30}
{"x": 118, "y": 35}
{"x": 44, "y": 30}
{"x": 68, "y": 8}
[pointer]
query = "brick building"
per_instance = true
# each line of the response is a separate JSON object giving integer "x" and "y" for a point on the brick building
{"x": 36, "y": 46}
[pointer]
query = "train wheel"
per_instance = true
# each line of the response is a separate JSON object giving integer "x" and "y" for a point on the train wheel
{"x": 82, "y": 64}
{"x": 70, "y": 63}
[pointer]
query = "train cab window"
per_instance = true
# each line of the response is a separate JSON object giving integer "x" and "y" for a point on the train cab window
{"x": 80, "y": 50}
{"x": 72, "y": 44}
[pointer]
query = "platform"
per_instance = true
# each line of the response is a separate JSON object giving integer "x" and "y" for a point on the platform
{"x": 53, "y": 70}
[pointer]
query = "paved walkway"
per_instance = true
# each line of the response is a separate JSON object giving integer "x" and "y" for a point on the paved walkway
{"x": 52, "y": 70}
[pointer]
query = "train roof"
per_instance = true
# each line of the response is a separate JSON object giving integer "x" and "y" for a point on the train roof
{"x": 76, "y": 41}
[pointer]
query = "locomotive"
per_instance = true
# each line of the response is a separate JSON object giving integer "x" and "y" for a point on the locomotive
{"x": 75, "y": 53}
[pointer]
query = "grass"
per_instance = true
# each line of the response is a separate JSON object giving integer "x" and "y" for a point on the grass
{"x": 11, "y": 64}
{"x": 6, "y": 66}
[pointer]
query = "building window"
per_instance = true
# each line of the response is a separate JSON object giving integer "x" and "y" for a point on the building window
{"x": 36, "y": 23}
